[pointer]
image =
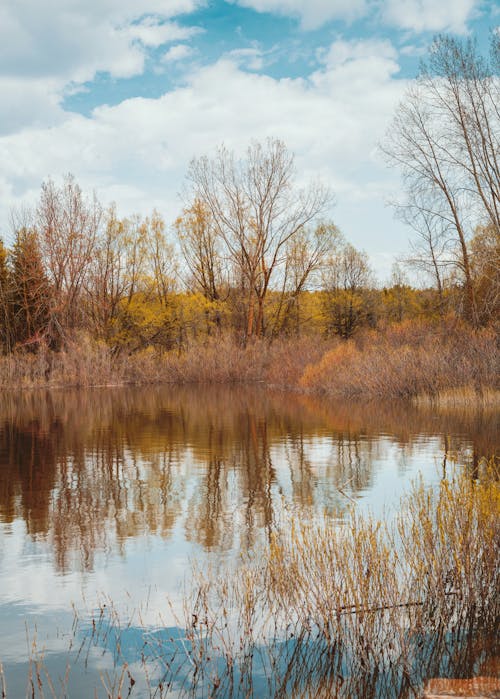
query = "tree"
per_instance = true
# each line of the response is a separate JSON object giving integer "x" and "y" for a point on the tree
{"x": 485, "y": 255}
{"x": 112, "y": 276}
{"x": 345, "y": 282}
{"x": 68, "y": 225}
{"x": 445, "y": 137}
{"x": 30, "y": 292}
{"x": 305, "y": 258}
{"x": 433, "y": 252}
{"x": 5, "y": 301}
{"x": 201, "y": 248}
{"x": 162, "y": 266}
{"x": 399, "y": 300}
{"x": 256, "y": 209}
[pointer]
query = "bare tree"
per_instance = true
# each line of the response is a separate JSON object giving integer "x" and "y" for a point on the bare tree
{"x": 160, "y": 257}
{"x": 306, "y": 256}
{"x": 68, "y": 225}
{"x": 434, "y": 250}
{"x": 256, "y": 210}
{"x": 201, "y": 248}
{"x": 445, "y": 137}
{"x": 112, "y": 276}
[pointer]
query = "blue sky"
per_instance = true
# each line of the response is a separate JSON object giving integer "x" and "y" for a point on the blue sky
{"x": 124, "y": 93}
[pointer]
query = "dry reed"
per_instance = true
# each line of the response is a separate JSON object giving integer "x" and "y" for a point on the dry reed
{"x": 409, "y": 360}
{"x": 359, "y": 604}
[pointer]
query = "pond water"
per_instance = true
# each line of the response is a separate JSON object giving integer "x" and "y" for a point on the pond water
{"x": 108, "y": 495}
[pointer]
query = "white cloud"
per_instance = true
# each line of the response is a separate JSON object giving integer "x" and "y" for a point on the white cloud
{"x": 251, "y": 58}
{"x": 311, "y": 13}
{"x": 414, "y": 15}
{"x": 153, "y": 33}
{"x": 137, "y": 152}
{"x": 73, "y": 39}
{"x": 429, "y": 15}
{"x": 176, "y": 53}
{"x": 28, "y": 101}
{"x": 49, "y": 48}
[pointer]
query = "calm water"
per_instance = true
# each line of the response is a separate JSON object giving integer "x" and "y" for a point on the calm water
{"x": 106, "y": 496}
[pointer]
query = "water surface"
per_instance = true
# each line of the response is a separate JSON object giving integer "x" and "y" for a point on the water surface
{"x": 107, "y": 495}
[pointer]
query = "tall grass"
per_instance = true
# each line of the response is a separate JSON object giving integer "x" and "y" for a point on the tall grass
{"x": 410, "y": 360}
{"x": 219, "y": 359}
{"x": 448, "y": 363}
{"x": 358, "y": 603}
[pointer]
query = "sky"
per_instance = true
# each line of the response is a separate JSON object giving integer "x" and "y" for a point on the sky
{"x": 124, "y": 93}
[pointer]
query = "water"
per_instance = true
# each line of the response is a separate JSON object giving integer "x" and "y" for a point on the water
{"x": 108, "y": 495}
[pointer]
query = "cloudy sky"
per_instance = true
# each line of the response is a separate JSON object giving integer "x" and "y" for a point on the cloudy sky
{"x": 123, "y": 93}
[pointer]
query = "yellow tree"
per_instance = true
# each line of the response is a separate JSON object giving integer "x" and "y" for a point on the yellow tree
{"x": 345, "y": 282}
{"x": 114, "y": 274}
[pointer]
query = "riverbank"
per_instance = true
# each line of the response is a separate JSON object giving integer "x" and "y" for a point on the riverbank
{"x": 442, "y": 364}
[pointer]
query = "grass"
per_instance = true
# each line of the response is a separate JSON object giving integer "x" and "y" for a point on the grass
{"x": 411, "y": 360}
{"x": 361, "y": 602}
{"x": 446, "y": 364}
{"x": 217, "y": 360}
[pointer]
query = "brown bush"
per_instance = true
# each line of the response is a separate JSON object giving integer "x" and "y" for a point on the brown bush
{"x": 408, "y": 360}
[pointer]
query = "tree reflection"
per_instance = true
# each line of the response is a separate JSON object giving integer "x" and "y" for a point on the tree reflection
{"x": 89, "y": 470}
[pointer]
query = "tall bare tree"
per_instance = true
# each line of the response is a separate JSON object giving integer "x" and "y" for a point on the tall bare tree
{"x": 256, "y": 209}
{"x": 306, "y": 256}
{"x": 445, "y": 137}
{"x": 68, "y": 225}
{"x": 111, "y": 278}
{"x": 160, "y": 257}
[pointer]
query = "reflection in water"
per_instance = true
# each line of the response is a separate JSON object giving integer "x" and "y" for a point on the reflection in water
{"x": 87, "y": 471}
{"x": 288, "y": 668}
{"x": 109, "y": 491}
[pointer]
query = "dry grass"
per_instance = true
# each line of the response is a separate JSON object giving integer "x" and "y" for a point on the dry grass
{"x": 410, "y": 360}
{"x": 448, "y": 364}
{"x": 364, "y": 608}
{"x": 218, "y": 360}
{"x": 453, "y": 399}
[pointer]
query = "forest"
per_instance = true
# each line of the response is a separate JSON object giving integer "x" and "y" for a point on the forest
{"x": 253, "y": 281}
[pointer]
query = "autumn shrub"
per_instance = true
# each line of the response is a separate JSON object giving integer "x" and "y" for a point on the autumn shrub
{"x": 289, "y": 357}
{"x": 408, "y": 360}
{"x": 403, "y": 361}
{"x": 219, "y": 359}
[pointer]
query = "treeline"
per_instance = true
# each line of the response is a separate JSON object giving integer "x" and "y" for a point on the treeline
{"x": 132, "y": 283}
{"x": 253, "y": 255}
